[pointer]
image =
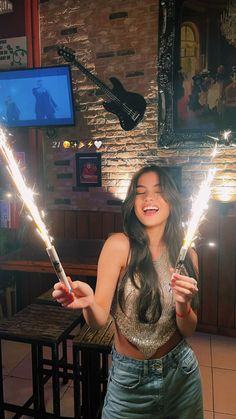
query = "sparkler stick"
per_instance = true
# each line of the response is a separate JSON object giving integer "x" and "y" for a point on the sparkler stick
{"x": 199, "y": 206}
{"x": 26, "y": 196}
{"x": 198, "y": 209}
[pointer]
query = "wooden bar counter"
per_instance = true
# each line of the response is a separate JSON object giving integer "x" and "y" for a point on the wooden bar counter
{"x": 31, "y": 269}
{"x": 78, "y": 257}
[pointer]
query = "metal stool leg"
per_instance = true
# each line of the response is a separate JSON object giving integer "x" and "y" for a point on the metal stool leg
{"x": 55, "y": 380}
{"x": 35, "y": 378}
{"x": 2, "y": 415}
{"x": 90, "y": 383}
{"x": 77, "y": 381}
{"x": 64, "y": 361}
{"x": 41, "y": 378}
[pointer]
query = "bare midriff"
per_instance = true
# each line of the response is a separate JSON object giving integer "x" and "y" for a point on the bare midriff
{"x": 124, "y": 347}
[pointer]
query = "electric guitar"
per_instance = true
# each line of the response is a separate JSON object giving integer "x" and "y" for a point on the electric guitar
{"x": 128, "y": 106}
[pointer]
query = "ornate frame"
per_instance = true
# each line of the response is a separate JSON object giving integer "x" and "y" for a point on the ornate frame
{"x": 168, "y": 136}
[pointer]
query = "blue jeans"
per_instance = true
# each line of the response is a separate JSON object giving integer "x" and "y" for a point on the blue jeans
{"x": 165, "y": 388}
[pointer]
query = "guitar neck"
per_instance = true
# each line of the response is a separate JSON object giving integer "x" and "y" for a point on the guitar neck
{"x": 96, "y": 81}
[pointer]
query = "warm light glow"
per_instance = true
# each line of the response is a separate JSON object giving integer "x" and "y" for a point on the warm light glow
{"x": 121, "y": 190}
{"x": 225, "y": 193}
{"x": 211, "y": 244}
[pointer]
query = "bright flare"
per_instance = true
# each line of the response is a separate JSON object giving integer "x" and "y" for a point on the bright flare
{"x": 198, "y": 209}
{"x": 26, "y": 195}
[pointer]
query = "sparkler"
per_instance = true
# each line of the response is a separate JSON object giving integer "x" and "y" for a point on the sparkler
{"x": 198, "y": 208}
{"x": 26, "y": 195}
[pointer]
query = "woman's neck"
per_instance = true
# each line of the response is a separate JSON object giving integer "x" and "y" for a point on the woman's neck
{"x": 156, "y": 244}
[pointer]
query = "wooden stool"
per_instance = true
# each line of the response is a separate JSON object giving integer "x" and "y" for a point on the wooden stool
{"x": 40, "y": 326}
{"x": 7, "y": 302}
{"x": 90, "y": 369}
{"x": 46, "y": 298}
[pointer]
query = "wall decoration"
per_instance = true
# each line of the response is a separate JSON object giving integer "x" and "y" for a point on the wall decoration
{"x": 129, "y": 107}
{"x": 13, "y": 52}
{"x": 197, "y": 72}
{"x": 77, "y": 144}
{"x": 88, "y": 169}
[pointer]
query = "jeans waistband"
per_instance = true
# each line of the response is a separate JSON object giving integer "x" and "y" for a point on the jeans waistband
{"x": 174, "y": 354}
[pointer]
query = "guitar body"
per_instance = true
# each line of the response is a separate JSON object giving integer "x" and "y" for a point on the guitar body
{"x": 130, "y": 108}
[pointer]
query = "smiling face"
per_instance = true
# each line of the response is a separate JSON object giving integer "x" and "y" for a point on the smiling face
{"x": 150, "y": 207}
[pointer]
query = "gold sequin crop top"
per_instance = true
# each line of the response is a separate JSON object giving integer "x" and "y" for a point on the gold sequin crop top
{"x": 147, "y": 337}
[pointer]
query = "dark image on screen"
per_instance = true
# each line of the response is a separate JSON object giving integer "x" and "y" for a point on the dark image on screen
{"x": 36, "y": 97}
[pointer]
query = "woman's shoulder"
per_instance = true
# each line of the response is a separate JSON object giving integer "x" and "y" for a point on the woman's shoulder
{"x": 116, "y": 248}
{"x": 118, "y": 241}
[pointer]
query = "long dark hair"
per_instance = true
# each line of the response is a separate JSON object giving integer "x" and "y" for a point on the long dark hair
{"x": 140, "y": 269}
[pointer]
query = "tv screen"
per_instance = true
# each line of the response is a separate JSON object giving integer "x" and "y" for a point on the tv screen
{"x": 36, "y": 97}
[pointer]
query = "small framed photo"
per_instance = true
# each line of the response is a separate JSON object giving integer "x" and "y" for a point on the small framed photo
{"x": 88, "y": 169}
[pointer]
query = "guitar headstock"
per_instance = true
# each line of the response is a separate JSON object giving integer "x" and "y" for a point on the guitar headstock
{"x": 67, "y": 53}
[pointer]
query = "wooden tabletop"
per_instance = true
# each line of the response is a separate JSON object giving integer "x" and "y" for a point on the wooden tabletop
{"x": 40, "y": 323}
{"x": 78, "y": 257}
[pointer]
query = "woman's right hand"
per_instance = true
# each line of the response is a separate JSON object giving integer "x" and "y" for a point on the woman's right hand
{"x": 80, "y": 296}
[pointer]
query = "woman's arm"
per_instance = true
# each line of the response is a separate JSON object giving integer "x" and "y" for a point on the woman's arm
{"x": 96, "y": 307}
{"x": 111, "y": 261}
{"x": 184, "y": 288}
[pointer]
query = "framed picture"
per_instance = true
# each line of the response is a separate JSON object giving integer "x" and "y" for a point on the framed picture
{"x": 88, "y": 169}
{"x": 196, "y": 71}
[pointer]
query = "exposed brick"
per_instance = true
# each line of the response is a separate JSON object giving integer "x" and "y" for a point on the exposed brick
{"x": 135, "y": 74}
{"x": 125, "y": 52}
{"x": 50, "y": 48}
{"x": 69, "y": 31}
{"x": 62, "y": 163}
{"x": 113, "y": 38}
{"x": 107, "y": 54}
{"x": 118, "y": 15}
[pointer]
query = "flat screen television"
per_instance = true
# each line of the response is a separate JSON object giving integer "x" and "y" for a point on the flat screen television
{"x": 36, "y": 97}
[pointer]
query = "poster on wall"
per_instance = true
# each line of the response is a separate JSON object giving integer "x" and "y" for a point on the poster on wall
{"x": 13, "y": 53}
{"x": 88, "y": 169}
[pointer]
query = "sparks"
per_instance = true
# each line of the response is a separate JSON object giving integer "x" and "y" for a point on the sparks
{"x": 226, "y": 135}
{"x": 27, "y": 196}
{"x": 199, "y": 207}
{"x": 198, "y": 210}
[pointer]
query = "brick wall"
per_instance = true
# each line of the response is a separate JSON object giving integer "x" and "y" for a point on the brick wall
{"x": 111, "y": 38}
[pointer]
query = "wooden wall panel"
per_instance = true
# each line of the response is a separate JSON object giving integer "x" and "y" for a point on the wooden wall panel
{"x": 82, "y": 225}
{"x": 118, "y": 222}
{"x": 108, "y": 224}
{"x": 227, "y": 272}
{"x": 95, "y": 225}
{"x": 57, "y": 223}
{"x": 70, "y": 224}
{"x": 208, "y": 269}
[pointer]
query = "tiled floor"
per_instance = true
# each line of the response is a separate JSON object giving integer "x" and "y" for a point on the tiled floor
{"x": 216, "y": 355}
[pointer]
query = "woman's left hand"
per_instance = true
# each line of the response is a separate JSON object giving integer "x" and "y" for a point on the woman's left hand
{"x": 183, "y": 287}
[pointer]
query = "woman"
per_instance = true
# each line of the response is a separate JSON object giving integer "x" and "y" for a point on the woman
{"x": 154, "y": 372}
